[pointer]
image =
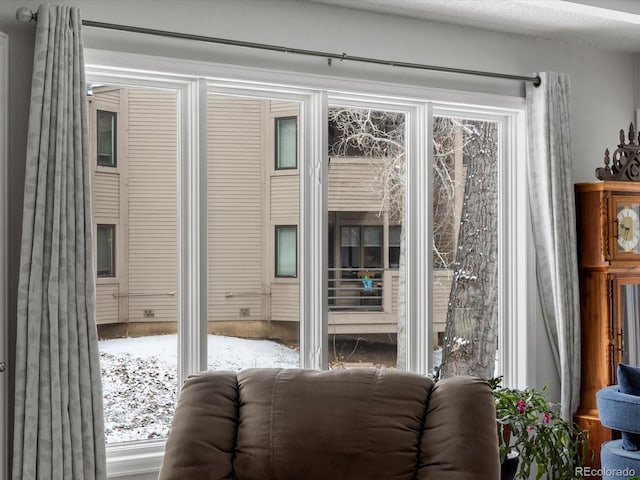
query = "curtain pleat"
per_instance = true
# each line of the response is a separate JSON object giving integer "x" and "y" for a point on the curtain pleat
{"x": 552, "y": 204}
{"x": 59, "y": 428}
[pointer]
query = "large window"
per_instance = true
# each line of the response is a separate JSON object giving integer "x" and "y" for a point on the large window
{"x": 366, "y": 195}
{"x": 237, "y": 242}
{"x": 466, "y": 247}
{"x": 135, "y": 208}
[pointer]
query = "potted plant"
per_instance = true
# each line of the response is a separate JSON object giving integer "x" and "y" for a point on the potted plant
{"x": 529, "y": 425}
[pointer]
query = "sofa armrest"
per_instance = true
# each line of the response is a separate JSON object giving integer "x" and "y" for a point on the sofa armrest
{"x": 619, "y": 411}
{"x": 202, "y": 439}
{"x": 460, "y": 439}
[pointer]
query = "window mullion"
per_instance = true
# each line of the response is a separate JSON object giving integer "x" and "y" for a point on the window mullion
{"x": 193, "y": 245}
{"x": 313, "y": 232}
{"x": 418, "y": 235}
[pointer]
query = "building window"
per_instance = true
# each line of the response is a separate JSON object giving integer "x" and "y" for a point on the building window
{"x": 350, "y": 247}
{"x": 372, "y": 247}
{"x": 394, "y": 246}
{"x": 105, "y": 251}
{"x": 361, "y": 247}
{"x": 286, "y": 143}
{"x": 286, "y": 251}
{"x": 106, "y": 138}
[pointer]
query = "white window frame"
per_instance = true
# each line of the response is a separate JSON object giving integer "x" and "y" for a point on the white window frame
{"x": 514, "y": 254}
{"x": 145, "y": 456}
{"x": 194, "y": 80}
{"x": 4, "y": 343}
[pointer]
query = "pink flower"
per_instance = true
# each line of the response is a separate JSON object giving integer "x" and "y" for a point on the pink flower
{"x": 521, "y": 406}
{"x": 547, "y": 418}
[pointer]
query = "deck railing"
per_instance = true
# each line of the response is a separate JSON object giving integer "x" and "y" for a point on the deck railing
{"x": 356, "y": 289}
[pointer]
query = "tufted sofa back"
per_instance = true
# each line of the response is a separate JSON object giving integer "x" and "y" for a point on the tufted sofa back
{"x": 291, "y": 424}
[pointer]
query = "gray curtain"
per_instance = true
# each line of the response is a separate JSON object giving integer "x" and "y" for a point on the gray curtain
{"x": 59, "y": 429}
{"x": 554, "y": 227}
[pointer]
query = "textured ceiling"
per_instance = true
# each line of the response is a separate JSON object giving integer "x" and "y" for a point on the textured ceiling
{"x": 604, "y": 24}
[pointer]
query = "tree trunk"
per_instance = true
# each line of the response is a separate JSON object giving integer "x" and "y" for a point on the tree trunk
{"x": 471, "y": 327}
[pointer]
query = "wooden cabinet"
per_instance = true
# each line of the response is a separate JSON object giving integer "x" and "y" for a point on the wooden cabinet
{"x": 608, "y": 233}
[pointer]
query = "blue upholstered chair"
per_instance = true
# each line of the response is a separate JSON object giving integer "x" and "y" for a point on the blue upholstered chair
{"x": 620, "y": 459}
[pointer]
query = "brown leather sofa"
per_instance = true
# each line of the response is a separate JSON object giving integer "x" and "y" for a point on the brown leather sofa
{"x": 354, "y": 424}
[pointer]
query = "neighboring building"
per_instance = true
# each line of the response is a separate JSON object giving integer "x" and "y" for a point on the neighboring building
{"x": 253, "y": 222}
{"x": 133, "y": 137}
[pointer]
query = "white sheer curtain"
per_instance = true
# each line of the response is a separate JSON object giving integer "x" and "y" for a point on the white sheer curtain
{"x": 554, "y": 227}
{"x": 59, "y": 431}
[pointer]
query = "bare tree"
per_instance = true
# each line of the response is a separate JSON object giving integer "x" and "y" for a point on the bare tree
{"x": 471, "y": 327}
{"x": 376, "y": 135}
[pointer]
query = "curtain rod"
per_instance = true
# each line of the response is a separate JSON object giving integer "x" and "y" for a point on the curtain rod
{"x": 25, "y": 15}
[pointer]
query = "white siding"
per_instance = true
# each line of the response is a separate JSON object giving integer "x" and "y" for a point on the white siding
{"x": 153, "y": 246}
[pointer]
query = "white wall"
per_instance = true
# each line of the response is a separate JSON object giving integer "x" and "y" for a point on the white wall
{"x": 604, "y": 83}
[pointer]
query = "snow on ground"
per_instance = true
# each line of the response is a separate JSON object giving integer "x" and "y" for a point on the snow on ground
{"x": 139, "y": 378}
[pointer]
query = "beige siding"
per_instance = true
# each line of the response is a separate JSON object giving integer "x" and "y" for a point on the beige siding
{"x": 359, "y": 323}
{"x": 284, "y": 209}
{"x": 395, "y": 280}
{"x": 109, "y": 98}
{"x": 278, "y": 107}
{"x": 106, "y": 203}
{"x": 106, "y": 303}
{"x": 441, "y": 290}
{"x": 285, "y": 302}
{"x": 236, "y": 160}
{"x": 153, "y": 246}
{"x": 353, "y": 185}
{"x": 285, "y": 196}
{"x": 106, "y": 195}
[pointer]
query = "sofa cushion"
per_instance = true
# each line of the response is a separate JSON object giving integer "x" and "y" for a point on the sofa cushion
{"x": 341, "y": 424}
{"x": 617, "y": 462}
{"x": 629, "y": 379}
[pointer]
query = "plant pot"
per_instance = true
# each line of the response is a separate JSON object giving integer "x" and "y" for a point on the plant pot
{"x": 509, "y": 467}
